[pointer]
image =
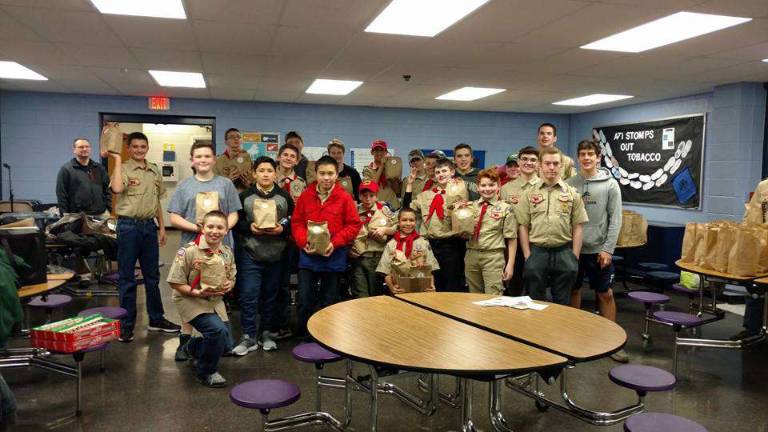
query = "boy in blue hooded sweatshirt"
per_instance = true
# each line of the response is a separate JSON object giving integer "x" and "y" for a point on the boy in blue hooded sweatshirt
{"x": 602, "y": 199}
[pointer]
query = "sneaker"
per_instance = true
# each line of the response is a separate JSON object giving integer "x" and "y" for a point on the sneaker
{"x": 164, "y": 326}
{"x": 247, "y": 344}
{"x": 620, "y": 356}
{"x": 742, "y": 335}
{"x": 267, "y": 342}
{"x": 214, "y": 380}
{"x": 125, "y": 336}
{"x": 181, "y": 352}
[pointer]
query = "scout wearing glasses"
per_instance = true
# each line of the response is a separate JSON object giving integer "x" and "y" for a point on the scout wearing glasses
{"x": 234, "y": 163}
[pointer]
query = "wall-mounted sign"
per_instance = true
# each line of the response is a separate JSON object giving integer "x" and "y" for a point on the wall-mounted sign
{"x": 261, "y": 144}
{"x": 159, "y": 103}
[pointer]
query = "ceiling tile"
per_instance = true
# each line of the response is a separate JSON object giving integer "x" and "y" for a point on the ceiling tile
{"x": 238, "y": 80}
{"x": 261, "y": 12}
{"x": 34, "y": 53}
{"x": 167, "y": 59}
{"x": 88, "y": 55}
{"x": 217, "y": 63}
{"x": 63, "y": 26}
{"x": 142, "y": 32}
{"x": 13, "y": 30}
{"x": 233, "y": 38}
{"x": 231, "y": 93}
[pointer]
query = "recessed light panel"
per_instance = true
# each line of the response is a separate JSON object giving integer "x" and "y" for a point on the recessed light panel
{"x": 145, "y": 8}
{"x": 333, "y": 87}
{"x": 13, "y": 70}
{"x": 664, "y": 31}
{"x": 592, "y": 99}
{"x": 421, "y": 17}
{"x": 178, "y": 79}
{"x": 469, "y": 93}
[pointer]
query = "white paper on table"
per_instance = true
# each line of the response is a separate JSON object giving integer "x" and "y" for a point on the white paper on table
{"x": 523, "y": 302}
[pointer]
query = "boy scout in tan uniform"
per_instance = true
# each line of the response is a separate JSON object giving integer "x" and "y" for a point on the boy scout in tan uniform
{"x": 422, "y": 254}
{"x": 547, "y": 138}
{"x": 484, "y": 262}
{"x": 550, "y": 216}
{"x": 138, "y": 186}
{"x": 366, "y": 250}
{"x": 757, "y": 209}
{"x": 235, "y": 163}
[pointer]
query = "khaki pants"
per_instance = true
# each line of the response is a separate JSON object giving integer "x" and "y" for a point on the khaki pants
{"x": 365, "y": 281}
{"x": 483, "y": 269}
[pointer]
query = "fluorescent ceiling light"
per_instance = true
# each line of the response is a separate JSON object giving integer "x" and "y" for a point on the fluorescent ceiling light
{"x": 469, "y": 93}
{"x": 13, "y": 70}
{"x": 178, "y": 79}
{"x": 765, "y": 60}
{"x": 421, "y": 17}
{"x": 145, "y": 8}
{"x": 592, "y": 99}
{"x": 333, "y": 87}
{"x": 670, "y": 29}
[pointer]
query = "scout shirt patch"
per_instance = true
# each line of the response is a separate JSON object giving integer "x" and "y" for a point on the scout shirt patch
{"x": 386, "y": 211}
{"x": 496, "y": 213}
{"x": 565, "y": 199}
{"x": 514, "y": 199}
{"x": 134, "y": 181}
{"x": 536, "y": 198}
{"x": 240, "y": 159}
{"x": 180, "y": 255}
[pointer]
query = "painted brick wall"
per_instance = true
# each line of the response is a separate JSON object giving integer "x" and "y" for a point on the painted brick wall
{"x": 37, "y": 128}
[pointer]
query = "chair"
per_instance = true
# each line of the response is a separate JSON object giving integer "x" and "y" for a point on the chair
{"x": 268, "y": 394}
{"x": 111, "y": 312}
{"x": 648, "y": 299}
{"x": 50, "y": 303}
{"x": 661, "y": 422}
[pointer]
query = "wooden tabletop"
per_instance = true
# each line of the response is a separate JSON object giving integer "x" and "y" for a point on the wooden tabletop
{"x": 573, "y": 333}
{"x": 31, "y": 290}
{"x": 387, "y": 331}
{"x": 65, "y": 276}
{"x": 709, "y": 272}
{"x": 761, "y": 281}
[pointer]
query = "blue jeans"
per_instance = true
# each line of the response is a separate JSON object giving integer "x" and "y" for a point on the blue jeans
{"x": 313, "y": 297}
{"x": 209, "y": 348}
{"x": 137, "y": 240}
{"x": 258, "y": 284}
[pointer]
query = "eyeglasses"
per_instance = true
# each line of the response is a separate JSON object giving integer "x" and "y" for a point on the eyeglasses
{"x": 232, "y": 137}
{"x": 525, "y": 159}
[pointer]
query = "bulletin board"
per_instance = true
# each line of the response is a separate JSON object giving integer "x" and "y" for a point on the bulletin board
{"x": 261, "y": 144}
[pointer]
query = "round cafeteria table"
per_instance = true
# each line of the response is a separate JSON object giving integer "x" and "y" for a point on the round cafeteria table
{"x": 41, "y": 288}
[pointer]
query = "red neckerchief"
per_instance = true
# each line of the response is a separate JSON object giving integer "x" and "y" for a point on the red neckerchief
{"x": 428, "y": 185}
{"x": 207, "y": 251}
{"x": 382, "y": 178}
{"x": 407, "y": 241}
{"x": 286, "y": 182}
{"x": 437, "y": 205}
{"x": 480, "y": 220}
{"x": 372, "y": 211}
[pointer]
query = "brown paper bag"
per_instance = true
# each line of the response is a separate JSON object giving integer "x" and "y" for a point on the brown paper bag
{"x": 725, "y": 240}
{"x": 762, "y": 234}
{"x": 111, "y": 140}
{"x": 711, "y": 240}
{"x": 463, "y": 222}
{"x": 318, "y": 237}
{"x": 414, "y": 284}
{"x": 455, "y": 191}
{"x": 379, "y": 219}
{"x": 689, "y": 243}
{"x": 264, "y": 213}
{"x": 205, "y": 202}
{"x": 393, "y": 168}
{"x": 410, "y": 277}
{"x": 361, "y": 241}
{"x": 634, "y": 229}
{"x": 707, "y": 240}
{"x": 742, "y": 260}
{"x": 213, "y": 274}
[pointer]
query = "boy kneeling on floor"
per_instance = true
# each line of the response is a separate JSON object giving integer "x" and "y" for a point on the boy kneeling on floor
{"x": 201, "y": 273}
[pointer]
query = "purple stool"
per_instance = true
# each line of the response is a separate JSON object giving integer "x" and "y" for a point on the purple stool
{"x": 268, "y": 394}
{"x": 49, "y": 303}
{"x": 678, "y": 321}
{"x": 648, "y": 299}
{"x": 658, "y": 422}
{"x": 642, "y": 379}
{"x": 111, "y": 312}
{"x": 319, "y": 356}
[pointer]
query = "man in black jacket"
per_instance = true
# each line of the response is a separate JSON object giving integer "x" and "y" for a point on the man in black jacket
{"x": 82, "y": 184}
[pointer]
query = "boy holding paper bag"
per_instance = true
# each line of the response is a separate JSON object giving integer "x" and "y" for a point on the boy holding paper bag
{"x": 201, "y": 273}
{"x": 407, "y": 252}
{"x": 262, "y": 235}
{"x": 385, "y": 170}
{"x": 323, "y": 212}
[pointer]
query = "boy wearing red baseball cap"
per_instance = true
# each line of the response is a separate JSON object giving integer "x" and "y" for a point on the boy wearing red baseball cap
{"x": 389, "y": 188}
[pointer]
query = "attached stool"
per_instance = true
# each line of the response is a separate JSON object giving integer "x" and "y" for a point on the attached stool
{"x": 652, "y": 266}
{"x": 77, "y": 373}
{"x": 663, "y": 278}
{"x": 49, "y": 303}
{"x": 658, "y": 422}
{"x": 678, "y": 321}
{"x": 319, "y": 356}
{"x": 621, "y": 269}
{"x": 111, "y": 312}
{"x": 642, "y": 379}
{"x": 648, "y": 299}
{"x": 268, "y": 394}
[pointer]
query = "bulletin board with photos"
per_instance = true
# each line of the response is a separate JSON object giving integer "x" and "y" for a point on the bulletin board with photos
{"x": 658, "y": 162}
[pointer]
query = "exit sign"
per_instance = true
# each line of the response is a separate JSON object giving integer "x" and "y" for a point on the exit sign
{"x": 159, "y": 103}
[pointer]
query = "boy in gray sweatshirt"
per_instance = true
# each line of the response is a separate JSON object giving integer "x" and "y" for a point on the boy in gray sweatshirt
{"x": 602, "y": 199}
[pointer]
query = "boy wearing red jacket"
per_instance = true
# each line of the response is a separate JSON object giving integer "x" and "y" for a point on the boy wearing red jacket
{"x": 323, "y": 201}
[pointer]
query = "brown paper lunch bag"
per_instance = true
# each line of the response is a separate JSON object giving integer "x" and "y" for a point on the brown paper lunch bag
{"x": 463, "y": 221}
{"x": 264, "y": 213}
{"x": 111, "y": 140}
{"x": 205, "y": 202}
{"x": 393, "y": 168}
{"x": 213, "y": 273}
{"x": 688, "y": 251}
{"x": 742, "y": 260}
{"x": 318, "y": 237}
{"x": 725, "y": 240}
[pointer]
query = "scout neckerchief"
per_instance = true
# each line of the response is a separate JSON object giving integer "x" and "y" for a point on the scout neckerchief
{"x": 226, "y": 153}
{"x": 370, "y": 212}
{"x": 483, "y": 209}
{"x": 437, "y": 205}
{"x": 407, "y": 241}
{"x": 428, "y": 185}
{"x": 285, "y": 182}
{"x": 200, "y": 242}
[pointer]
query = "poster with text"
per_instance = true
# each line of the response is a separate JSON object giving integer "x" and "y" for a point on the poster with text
{"x": 656, "y": 162}
{"x": 261, "y": 144}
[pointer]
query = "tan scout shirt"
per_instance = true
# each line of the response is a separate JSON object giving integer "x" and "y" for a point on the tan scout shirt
{"x": 143, "y": 188}
{"x": 225, "y": 163}
{"x": 514, "y": 190}
{"x": 292, "y": 184}
{"x": 186, "y": 268}
{"x": 386, "y": 193}
{"x": 499, "y": 224}
{"x": 550, "y": 212}
{"x": 757, "y": 209}
{"x": 374, "y": 215}
{"x": 421, "y": 249}
{"x": 433, "y": 228}
{"x": 418, "y": 186}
